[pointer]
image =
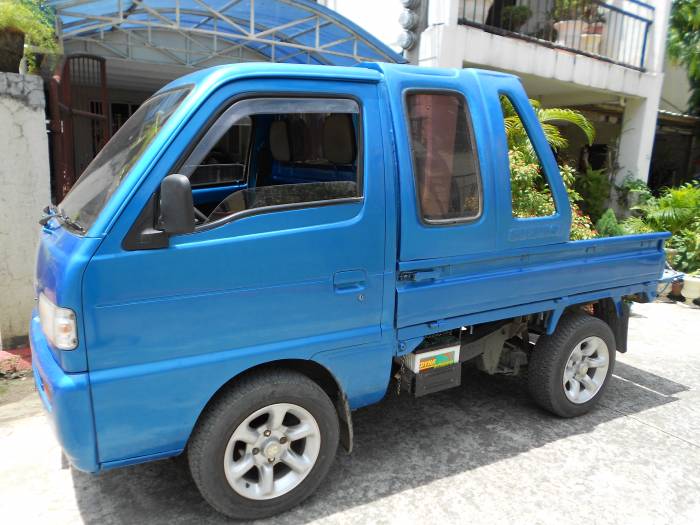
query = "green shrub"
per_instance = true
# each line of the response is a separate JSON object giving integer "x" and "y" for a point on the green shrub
{"x": 514, "y": 16}
{"x": 687, "y": 243}
{"x": 677, "y": 209}
{"x": 32, "y": 18}
{"x": 594, "y": 188}
{"x": 633, "y": 225}
{"x": 531, "y": 194}
{"x": 608, "y": 226}
{"x": 533, "y": 198}
{"x": 632, "y": 192}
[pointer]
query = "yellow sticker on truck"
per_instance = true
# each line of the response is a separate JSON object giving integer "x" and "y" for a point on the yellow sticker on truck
{"x": 436, "y": 361}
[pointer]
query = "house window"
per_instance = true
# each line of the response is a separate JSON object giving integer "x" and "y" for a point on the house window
{"x": 445, "y": 167}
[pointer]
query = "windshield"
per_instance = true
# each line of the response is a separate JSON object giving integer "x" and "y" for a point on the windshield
{"x": 103, "y": 175}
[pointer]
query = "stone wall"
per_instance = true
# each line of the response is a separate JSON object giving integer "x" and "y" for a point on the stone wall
{"x": 24, "y": 191}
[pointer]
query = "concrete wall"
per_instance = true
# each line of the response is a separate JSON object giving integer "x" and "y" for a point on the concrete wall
{"x": 676, "y": 88}
{"x": 24, "y": 191}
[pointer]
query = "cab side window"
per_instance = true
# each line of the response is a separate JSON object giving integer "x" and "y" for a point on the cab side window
{"x": 299, "y": 152}
{"x": 530, "y": 192}
{"x": 448, "y": 184}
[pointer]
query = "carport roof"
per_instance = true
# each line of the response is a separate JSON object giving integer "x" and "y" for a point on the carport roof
{"x": 294, "y": 31}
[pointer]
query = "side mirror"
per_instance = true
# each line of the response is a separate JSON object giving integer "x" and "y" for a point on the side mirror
{"x": 176, "y": 206}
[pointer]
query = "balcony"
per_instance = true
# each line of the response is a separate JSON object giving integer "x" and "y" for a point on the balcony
{"x": 616, "y": 32}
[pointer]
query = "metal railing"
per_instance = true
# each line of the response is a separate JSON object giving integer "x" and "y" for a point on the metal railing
{"x": 616, "y": 32}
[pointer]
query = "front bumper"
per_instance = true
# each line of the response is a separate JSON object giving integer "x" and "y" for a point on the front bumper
{"x": 66, "y": 398}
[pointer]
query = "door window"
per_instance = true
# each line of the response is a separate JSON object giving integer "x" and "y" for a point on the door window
{"x": 445, "y": 167}
{"x": 225, "y": 164}
{"x": 283, "y": 153}
{"x": 530, "y": 192}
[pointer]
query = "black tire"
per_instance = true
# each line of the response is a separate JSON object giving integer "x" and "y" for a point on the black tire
{"x": 207, "y": 445}
{"x": 549, "y": 358}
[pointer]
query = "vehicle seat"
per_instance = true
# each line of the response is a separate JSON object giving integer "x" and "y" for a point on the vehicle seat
{"x": 339, "y": 145}
{"x": 278, "y": 148}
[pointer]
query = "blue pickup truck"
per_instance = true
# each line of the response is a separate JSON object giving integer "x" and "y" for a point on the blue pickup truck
{"x": 263, "y": 248}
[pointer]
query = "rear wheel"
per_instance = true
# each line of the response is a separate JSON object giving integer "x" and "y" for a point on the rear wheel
{"x": 569, "y": 371}
{"x": 264, "y": 446}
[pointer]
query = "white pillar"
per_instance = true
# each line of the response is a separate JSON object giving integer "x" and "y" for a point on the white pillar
{"x": 440, "y": 43}
{"x": 637, "y": 137}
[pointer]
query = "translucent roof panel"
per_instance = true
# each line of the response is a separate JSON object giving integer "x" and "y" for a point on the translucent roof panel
{"x": 295, "y": 31}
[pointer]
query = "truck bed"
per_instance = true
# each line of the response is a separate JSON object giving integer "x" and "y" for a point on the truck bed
{"x": 441, "y": 294}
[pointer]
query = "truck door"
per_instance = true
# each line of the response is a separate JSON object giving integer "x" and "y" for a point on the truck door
{"x": 288, "y": 264}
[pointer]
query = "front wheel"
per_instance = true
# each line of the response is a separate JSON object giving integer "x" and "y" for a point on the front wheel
{"x": 264, "y": 446}
{"x": 569, "y": 370}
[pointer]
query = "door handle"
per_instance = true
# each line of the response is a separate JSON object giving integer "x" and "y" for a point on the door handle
{"x": 349, "y": 281}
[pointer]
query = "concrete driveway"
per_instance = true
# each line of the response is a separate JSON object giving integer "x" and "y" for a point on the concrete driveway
{"x": 482, "y": 453}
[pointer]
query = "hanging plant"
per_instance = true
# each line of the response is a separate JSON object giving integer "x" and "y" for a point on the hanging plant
{"x": 26, "y": 29}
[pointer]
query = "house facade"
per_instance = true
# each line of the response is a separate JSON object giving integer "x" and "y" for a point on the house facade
{"x": 604, "y": 58}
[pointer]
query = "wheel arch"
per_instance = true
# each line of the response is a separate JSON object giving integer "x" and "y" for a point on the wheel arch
{"x": 613, "y": 312}
{"x": 314, "y": 371}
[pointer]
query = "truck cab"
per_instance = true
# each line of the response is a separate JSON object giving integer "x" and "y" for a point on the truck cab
{"x": 263, "y": 248}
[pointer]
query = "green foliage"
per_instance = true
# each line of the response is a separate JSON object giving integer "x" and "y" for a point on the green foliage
{"x": 581, "y": 225}
{"x": 608, "y": 226}
{"x": 594, "y": 188}
{"x": 531, "y": 194}
{"x": 34, "y": 19}
{"x": 675, "y": 210}
{"x": 548, "y": 117}
{"x": 633, "y": 225}
{"x": 684, "y": 45}
{"x": 632, "y": 192}
{"x": 532, "y": 197}
{"x": 687, "y": 244}
{"x": 514, "y": 16}
{"x": 576, "y": 10}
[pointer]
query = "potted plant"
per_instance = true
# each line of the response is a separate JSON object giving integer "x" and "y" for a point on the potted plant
{"x": 514, "y": 16}
{"x": 575, "y": 19}
{"x": 568, "y": 21}
{"x": 676, "y": 289}
{"x": 23, "y": 24}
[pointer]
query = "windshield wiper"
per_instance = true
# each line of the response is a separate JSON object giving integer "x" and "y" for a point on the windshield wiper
{"x": 52, "y": 211}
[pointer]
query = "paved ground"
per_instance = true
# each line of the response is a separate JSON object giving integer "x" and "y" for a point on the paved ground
{"x": 480, "y": 454}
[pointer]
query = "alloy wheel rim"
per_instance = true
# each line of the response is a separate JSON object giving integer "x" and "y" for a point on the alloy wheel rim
{"x": 272, "y": 451}
{"x": 586, "y": 369}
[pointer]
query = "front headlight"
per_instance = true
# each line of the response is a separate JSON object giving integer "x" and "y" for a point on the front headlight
{"x": 58, "y": 324}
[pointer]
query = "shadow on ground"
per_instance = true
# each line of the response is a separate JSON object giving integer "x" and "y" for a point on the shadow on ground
{"x": 400, "y": 443}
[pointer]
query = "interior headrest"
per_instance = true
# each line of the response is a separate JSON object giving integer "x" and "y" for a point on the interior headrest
{"x": 339, "y": 138}
{"x": 279, "y": 141}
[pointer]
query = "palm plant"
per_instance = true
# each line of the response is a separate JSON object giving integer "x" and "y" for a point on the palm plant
{"x": 549, "y": 118}
{"x": 677, "y": 209}
{"x": 529, "y": 188}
